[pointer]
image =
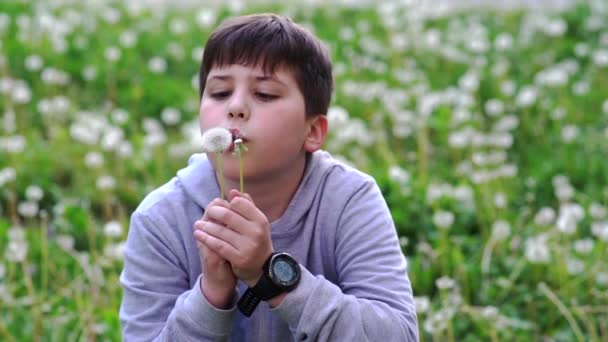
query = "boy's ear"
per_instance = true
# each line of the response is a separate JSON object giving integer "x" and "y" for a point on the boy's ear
{"x": 317, "y": 132}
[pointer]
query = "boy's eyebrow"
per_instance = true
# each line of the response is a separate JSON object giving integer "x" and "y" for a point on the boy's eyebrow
{"x": 257, "y": 78}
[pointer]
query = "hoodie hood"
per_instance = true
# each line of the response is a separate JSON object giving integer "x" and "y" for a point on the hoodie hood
{"x": 201, "y": 186}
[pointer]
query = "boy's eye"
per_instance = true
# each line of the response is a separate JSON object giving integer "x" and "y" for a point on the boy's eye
{"x": 220, "y": 94}
{"x": 266, "y": 96}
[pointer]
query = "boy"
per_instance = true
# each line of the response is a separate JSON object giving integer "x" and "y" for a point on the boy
{"x": 309, "y": 252}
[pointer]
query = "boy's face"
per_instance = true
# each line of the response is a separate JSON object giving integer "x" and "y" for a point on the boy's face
{"x": 266, "y": 110}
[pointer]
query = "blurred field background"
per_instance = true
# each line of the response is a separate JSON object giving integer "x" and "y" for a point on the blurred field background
{"x": 486, "y": 129}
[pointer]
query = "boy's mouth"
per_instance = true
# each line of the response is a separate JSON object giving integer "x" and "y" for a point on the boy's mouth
{"x": 236, "y": 135}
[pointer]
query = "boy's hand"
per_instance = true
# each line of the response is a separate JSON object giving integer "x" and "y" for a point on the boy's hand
{"x": 218, "y": 281}
{"x": 240, "y": 233}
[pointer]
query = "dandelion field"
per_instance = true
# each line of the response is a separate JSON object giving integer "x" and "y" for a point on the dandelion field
{"x": 487, "y": 132}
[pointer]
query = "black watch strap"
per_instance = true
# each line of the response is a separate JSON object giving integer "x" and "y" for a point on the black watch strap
{"x": 248, "y": 302}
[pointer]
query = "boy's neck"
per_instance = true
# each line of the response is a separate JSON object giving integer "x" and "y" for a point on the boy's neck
{"x": 272, "y": 194}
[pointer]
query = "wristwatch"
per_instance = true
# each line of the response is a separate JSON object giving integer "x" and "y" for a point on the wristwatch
{"x": 280, "y": 273}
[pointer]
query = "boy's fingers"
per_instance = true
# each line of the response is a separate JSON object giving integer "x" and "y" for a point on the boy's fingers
{"x": 227, "y": 217}
{"x": 221, "y": 232}
{"x": 222, "y": 248}
{"x": 247, "y": 209}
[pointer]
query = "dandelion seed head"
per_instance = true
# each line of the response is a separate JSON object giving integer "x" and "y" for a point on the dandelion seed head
{"x": 501, "y": 230}
{"x": 583, "y": 246}
{"x": 112, "y": 229}
{"x": 216, "y": 139}
{"x": 34, "y": 193}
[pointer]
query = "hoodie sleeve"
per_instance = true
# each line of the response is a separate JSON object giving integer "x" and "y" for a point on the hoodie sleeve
{"x": 373, "y": 300}
{"x": 157, "y": 303}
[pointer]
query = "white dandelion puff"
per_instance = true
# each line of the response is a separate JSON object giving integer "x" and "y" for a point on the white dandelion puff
{"x": 216, "y": 139}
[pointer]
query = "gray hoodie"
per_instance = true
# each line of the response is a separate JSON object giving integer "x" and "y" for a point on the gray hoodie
{"x": 354, "y": 284}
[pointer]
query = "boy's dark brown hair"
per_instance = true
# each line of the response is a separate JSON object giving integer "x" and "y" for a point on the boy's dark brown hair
{"x": 273, "y": 41}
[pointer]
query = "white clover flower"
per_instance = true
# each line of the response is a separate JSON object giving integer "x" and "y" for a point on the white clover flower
{"x": 112, "y": 229}
{"x": 403, "y": 241}
{"x": 34, "y": 193}
{"x": 216, "y": 139}
{"x": 443, "y": 219}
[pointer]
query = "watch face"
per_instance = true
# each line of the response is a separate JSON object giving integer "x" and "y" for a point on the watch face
{"x": 284, "y": 271}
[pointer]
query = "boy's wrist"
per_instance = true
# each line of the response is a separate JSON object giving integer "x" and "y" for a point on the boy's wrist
{"x": 218, "y": 297}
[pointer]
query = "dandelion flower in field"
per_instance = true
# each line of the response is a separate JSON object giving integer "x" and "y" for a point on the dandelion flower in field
{"x": 34, "y": 193}
{"x": 537, "y": 251}
{"x": 28, "y": 209}
{"x": 445, "y": 283}
{"x": 112, "y": 229}
{"x": 602, "y": 278}
{"x": 575, "y": 266}
{"x": 33, "y": 63}
{"x": 106, "y": 182}
{"x": 423, "y": 304}
{"x": 443, "y": 219}
{"x": 597, "y": 211}
{"x": 157, "y": 65}
{"x": 544, "y": 216}
{"x": 583, "y": 246}
{"x": 170, "y": 116}
{"x": 112, "y": 54}
{"x": 501, "y": 230}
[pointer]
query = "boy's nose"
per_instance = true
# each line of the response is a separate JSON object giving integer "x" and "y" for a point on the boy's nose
{"x": 237, "y": 109}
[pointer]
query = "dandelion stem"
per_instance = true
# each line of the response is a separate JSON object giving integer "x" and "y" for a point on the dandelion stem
{"x": 239, "y": 154}
{"x": 220, "y": 173}
{"x": 563, "y": 309}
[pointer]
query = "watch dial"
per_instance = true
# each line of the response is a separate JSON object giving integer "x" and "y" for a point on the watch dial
{"x": 283, "y": 271}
